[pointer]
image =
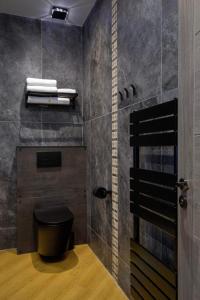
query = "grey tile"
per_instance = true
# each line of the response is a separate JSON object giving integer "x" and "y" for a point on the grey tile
{"x": 139, "y": 48}
{"x": 61, "y": 134}
{"x": 9, "y": 136}
{"x": 97, "y": 60}
{"x": 169, "y": 44}
{"x": 125, "y": 163}
{"x": 169, "y": 95}
{"x": 20, "y": 58}
{"x": 101, "y": 159}
{"x": 8, "y": 238}
{"x": 30, "y": 134}
{"x": 87, "y": 143}
{"x": 124, "y": 277}
{"x": 101, "y": 249}
{"x": 61, "y": 115}
{"x": 62, "y": 57}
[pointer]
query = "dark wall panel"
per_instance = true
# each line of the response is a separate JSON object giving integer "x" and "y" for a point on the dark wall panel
{"x": 35, "y": 185}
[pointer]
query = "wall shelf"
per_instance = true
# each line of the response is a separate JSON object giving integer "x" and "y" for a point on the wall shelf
{"x": 49, "y": 100}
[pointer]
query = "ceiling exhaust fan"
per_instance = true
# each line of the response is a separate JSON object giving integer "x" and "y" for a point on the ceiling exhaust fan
{"x": 62, "y": 13}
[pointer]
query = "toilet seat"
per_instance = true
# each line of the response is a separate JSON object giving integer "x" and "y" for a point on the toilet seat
{"x": 54, "y": 215}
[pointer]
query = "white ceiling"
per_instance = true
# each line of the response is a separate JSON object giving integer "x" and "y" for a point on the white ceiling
{"x": 40, "y": 9}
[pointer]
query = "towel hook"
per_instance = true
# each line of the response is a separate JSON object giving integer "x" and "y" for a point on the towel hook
{"x": 134, "y": 90}
{"x": 121, "y": 96}
{"x": 127, "y": 92}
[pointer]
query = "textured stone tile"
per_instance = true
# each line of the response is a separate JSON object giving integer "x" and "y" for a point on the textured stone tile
{"x": 62, "y": 57}
{"x": 124, "y": 277}
{"x": 139, "y": 47}
{"x": 9, "y": 136}
{"x": 169, "y": 95}
{"x": 61, "y": 115}
{"x": 101, "y": 159}
{"x": 101, "y": 249}
{"x": 148, "y": 159}
{"x": 97, "y": 60}
{"x": 20, "y": 58}
{"x": 61, "y": 134}
{"x": 30, "y": 134}
{"x": 169, "y": 44}
{"x": 125, "y": 163}
{"x": 8, "y": 238}
{"x": 87, "y": 143}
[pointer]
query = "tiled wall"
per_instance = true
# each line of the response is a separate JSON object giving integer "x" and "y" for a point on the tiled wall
{"x": 147, "y": 58}
{"x": 98, "y": 125}
{"x": 30, "y": 48}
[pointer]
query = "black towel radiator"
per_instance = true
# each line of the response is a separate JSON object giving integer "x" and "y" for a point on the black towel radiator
{"x": 153, "y": 198}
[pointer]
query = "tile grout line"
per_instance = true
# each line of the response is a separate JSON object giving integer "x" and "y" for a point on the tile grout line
{"x": 115, "y": 196}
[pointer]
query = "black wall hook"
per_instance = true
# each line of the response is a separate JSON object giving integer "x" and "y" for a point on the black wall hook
{"x": 121, "y": 96}
{"x": 127, "y": 93}
{"x": 134, "y": 90}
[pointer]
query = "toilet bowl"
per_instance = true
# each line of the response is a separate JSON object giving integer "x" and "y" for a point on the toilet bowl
{"x": 54, "y": 229}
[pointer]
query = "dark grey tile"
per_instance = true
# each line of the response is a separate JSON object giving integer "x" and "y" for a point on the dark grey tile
{"x": 20, "y": 58}
{"x": 169, "y": 44}
{"x": 7, "y": 203}
{"x": 9, "y": 136}
{"x": 102, "y": 250}
{"x": 100, "y": 172}
{"x": 97, "y": 60}
{"x": 87, "y": 143}
{"x": 62, "y": 57}
{"x": 139, "y": 48}
{"x": 30, "y": 134}
{"x": 61, "y": 134}
{"x": 125, "y": 163}
{"x": 124, "y": 277}
{"x": 8, "y": 238}
{"x": 61, "y": 115}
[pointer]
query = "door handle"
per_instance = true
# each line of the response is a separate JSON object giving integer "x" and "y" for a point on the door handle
{"x": 184, "y": 187}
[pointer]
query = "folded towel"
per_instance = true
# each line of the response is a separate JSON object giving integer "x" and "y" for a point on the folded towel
{"x": 47, "y": 100}
{"x": 41, "y": 89}
{"x": 41, "y": 82}
{"x": 41, "y": 100}
{"x": 63, "y": 100}
{"x": 66, "y": 91}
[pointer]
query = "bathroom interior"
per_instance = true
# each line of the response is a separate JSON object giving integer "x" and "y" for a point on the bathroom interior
{"x": 100, "y": 149}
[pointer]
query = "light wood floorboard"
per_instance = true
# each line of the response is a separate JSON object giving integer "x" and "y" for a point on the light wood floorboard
{"x": 80, "y": 276}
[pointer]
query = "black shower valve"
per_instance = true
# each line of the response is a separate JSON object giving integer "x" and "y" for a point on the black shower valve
{"x": 101, "y": 192}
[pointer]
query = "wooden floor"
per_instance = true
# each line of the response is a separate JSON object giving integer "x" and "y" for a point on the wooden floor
{"x": 80, "y": 276}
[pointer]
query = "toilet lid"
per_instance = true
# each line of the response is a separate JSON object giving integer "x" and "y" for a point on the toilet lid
{"x": 53, "y": 215}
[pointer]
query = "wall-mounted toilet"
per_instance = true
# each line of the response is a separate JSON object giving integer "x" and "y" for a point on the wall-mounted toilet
{"x": 54, "y": 229}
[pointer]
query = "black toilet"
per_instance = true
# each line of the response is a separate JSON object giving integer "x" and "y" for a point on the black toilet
{"x": 54, "y": 229}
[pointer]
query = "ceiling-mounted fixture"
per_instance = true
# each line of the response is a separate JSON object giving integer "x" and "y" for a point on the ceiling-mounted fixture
{"x": 59, "y": 13}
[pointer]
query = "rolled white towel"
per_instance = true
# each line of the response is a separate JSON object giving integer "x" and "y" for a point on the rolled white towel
{"x": 42, "y": 100}
{"x": 66, "y": 91}
{"x": 63, "y": 100}
{"x": 41, "y": 82}
{"x": 41, "y": 89}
